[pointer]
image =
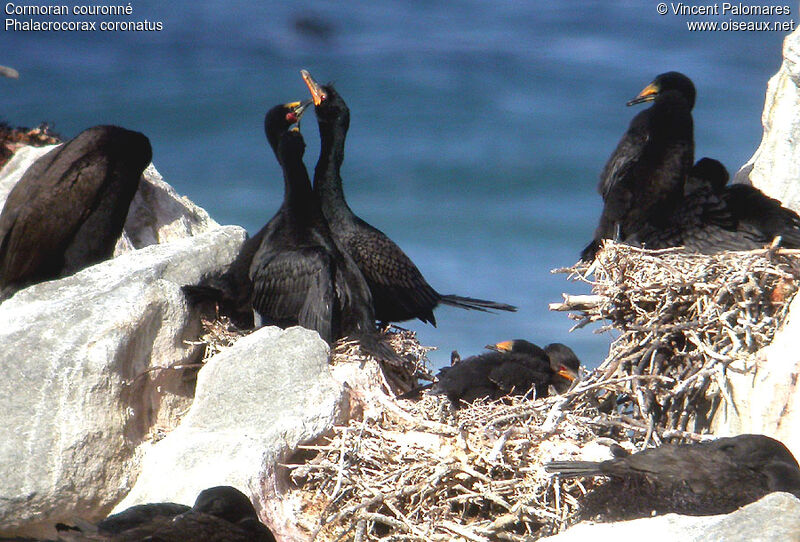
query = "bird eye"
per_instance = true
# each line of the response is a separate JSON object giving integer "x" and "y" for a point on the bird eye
{"x": 291, "y": 117}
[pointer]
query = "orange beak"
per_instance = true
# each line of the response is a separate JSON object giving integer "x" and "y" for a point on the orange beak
{"x": 569, "y": 374}
{"x": 648, "y": 94}
{"x": 504, "y": 346}
{"x": 317, "y": 94}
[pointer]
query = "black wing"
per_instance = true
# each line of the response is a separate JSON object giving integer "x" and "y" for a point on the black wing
{"x": 295, "y": 287}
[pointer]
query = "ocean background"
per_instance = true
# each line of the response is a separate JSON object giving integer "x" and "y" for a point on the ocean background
{"x": 478, "y": 128}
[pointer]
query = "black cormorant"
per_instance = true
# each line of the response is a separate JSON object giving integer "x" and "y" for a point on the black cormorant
{"x": 298, "y": 274}
{"x": 642, "y": 183}
{"x": 220, "y": 514}
{"x": 399, "y": 290}
{"x": 512, "y": 368}
{"x": 140, "y": 514}
{"x": 67, "y": 211}
{"x": 754, "y": 210}
{"x": 702, "y": 478}
{"x": 713, "y": 216}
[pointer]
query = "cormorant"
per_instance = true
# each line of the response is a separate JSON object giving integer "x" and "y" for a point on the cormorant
{"x": 755, "y": 210}
{"x": 399, "y": 290}
{"x": 140, "y": 514}
{"x": 512, "y": 368}
{"x": 713, "y": 477}
{"x": 67, "y": 211}
{"x": 298, "y": 274}
{"x": 713, "y": 217}
{"x": 642, "y": 183}
{"x": 220, "y": 514}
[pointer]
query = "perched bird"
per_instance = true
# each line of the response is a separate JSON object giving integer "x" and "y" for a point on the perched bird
{"x": 399, "y": 291}
{"x": 713, "y": 477}
{"x": 707, "y": 173}
{"x": 67, "y": 211}
{"x": 642, "y": 182}
{"x": 298, "y": 274}
{"x": 220, "y": 514}
{"x": 512, "y": 368}
{"x": 754, "y": 210}
{"x": 714, "y": 216}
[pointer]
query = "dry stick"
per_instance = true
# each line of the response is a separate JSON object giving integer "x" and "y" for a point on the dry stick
{"x": 462, "y": 531}
{"x": 340, "y": 475}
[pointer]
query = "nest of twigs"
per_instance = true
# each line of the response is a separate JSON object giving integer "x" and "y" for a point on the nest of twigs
{"x": 422, "y": 471}
{"x": 683, "y": 321}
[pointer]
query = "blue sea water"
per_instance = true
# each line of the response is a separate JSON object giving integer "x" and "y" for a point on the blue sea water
{"x": 478, "y": 128}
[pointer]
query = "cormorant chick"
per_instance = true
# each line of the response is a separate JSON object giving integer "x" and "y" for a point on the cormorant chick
{"x": 399, "y": 291}
{"x": 68, "y": 210}
{"x": 702, "y": 478}
{"x": 642, "y": 182}
{"x": 513, "y": 368}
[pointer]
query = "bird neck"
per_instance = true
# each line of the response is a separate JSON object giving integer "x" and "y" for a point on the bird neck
{"x": 298, "y": 195}
{"x": 327, "y": 179}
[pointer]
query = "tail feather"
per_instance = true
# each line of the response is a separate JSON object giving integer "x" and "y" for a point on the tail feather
{"x": 471, "y": 303}
{"x": 571, "y": 469}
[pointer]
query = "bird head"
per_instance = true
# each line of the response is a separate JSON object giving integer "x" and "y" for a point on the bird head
{"x": 563, "y": 361}
{"x": 669, "y": 82}
{"x": 328, "y": 103}
{"x": 281, "y": 118}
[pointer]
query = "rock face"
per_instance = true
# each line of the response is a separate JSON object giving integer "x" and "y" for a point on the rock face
{"x": 775, "y": 518}
{"x": 79, "y": 400}
{"x": 775, "y": 166}
{"x": 76, "y": 400}
{"x": 766, "y": 398}
{"x": 255, "y": 402}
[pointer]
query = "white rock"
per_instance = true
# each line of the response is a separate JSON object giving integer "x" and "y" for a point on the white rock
{"x": 765, "y": 396}
{"x": 775, "y": 166}
{"x": 775, "y": 518}
{"x": 255, "y": 402}
{"x": 74, "y": 410}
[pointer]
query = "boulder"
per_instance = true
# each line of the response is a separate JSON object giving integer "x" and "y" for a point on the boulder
{"x": 764, "y": 390}
{"x": 255, "y": 403}
{"x": 775, "y": 166}
{"x": 765, "y": 393}
{"x": 78, "y": 399}
{"x": 775, "y": 517}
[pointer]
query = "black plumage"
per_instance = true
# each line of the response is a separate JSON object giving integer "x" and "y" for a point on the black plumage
{"x": 714, "y": 216}
{"x": 220, "y": 514}
{"x": 298, "y": 274}
{"x": 68, "y": 210}
{"x": 513, "y": 368}
{"x": 703, "y": 478}
{"x": 642, "y": 182}
{"x": 754, "y": 210}
{"x": 141, "y": 514}
{"x": 399, "y": 290}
